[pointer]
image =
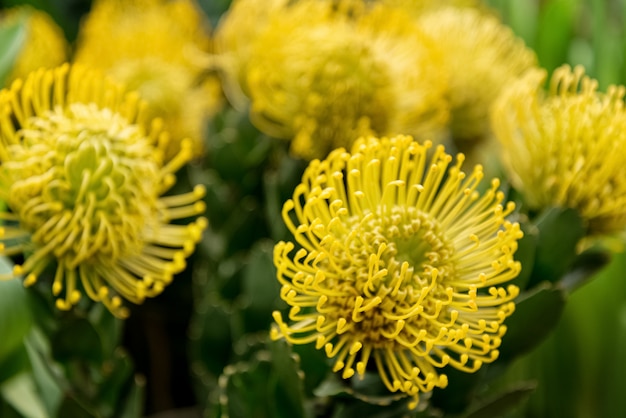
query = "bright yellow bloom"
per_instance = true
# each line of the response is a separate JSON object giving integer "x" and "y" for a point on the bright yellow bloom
{"x": 397, "y": 259}
{"x": 44, "y": 45}
{"x": 566, "y": 146}
{"x": 318, "y": 77}
{"x": 82, "y": 173}
{"x": 481, "y": 56}
{"x": 155, "y": 47}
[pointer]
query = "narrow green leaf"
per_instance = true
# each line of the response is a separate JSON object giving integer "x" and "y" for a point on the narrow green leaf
{"x": 77, "y": 340}
{"x": 504, "y": 402}
{"x": 15, "y": 363}
{"x": 557, "y": 19}
{"x": 15, "y": 315}
{"x": 536, "y": 314}
{"x": 133, "y": 404}
{"x": 287, "y": 382}
{"x": 12, "y": 38}
{"x": 21, "y": 393}
{"x": 559, "y": 231}
{"x": 47, "y": 375}
{"x": 585, "y": 267}
{"x": 260, "y": 288}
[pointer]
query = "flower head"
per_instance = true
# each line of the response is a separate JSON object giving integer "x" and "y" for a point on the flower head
{"x": 44, "y": 44}
{"x": 481, "y": 56}
{"x": 155, "y": 47}
{"x": 318, "y": 76}
{"x": 565, "y": 146}
{"x": 83, "y": 176}
{"x": 399, "y": 263}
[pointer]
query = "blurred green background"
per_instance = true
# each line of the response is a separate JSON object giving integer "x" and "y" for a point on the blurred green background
{"x": 580, "y": 368}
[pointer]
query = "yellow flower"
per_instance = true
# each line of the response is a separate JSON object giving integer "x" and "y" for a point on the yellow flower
{"x": 83, "y": 174}
{"x": 155, "y": 47}
{"x": 565, "y": 146}
{"x": 44, "y": 45}
{"x": 481, "y": 56}
{"x": 398, "y": 259}
{"x": 318, "y": 76}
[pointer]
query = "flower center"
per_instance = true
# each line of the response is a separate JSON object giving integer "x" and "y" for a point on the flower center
{"x": 84, "y": 183}
{"x": 397, "y": 284}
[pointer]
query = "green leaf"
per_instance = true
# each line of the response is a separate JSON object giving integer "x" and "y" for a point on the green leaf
{"x": 15, "y": 363}
{"x": 133, "y": 404}
{"x": 15, "y": 315}
{"x": 116, "y": 377}
{"x": 559, "y": 231}
{"x": 287, "y": 381}
{"x": 47, "y": 375}
{"x": 21, "y": 393}
{"x": 536, "y": 314}
{"x": 260, "y": 288}
{"x": 585, "y": 267}
{"x": 503, "y": 402}
{"x": 77, "y": 339}
{"x": 267, "y": 386}
{"x": 12, "y": 38}
{"x": 557, "y": 20}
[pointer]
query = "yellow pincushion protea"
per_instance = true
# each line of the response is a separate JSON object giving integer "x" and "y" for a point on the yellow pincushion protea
{"x": 481, "y": 56}
{"x": 398, "y": 261}
{"x": 44, "y": 44}
{"x": 565, "y": 146}
{"x": 319, "y": 78}
{"x": 83, "y": 176}
{"x": 155, "y": 47}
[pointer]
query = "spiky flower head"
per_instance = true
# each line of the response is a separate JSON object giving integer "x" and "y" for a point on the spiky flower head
{"x": 398, "y": 263}
{"x": 83, "y": 174}
{"x": 155, "y": 47}
{"x": 44, "y": 43}
{"x": 565, "y": 146}
{"x": 319, "y": 76}
{"x": 481, "y": 56}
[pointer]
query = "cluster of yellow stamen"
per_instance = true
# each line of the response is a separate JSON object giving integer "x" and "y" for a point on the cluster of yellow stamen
{"x": 565, "y": 146}
{"x": 82, "y": 174}
{"x": 397, "y": 258}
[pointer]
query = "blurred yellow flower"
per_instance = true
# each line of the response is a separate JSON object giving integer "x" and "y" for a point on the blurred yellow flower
{"x": 318, "y": 77}
{"x": 44, "y": 44}
{"x": 481, "y": 56}
{"x": 397, "y": 259}
{"x": 156, "y": 47}
{"x": 565, "y": 146}
{"x": 82, "y": 172}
